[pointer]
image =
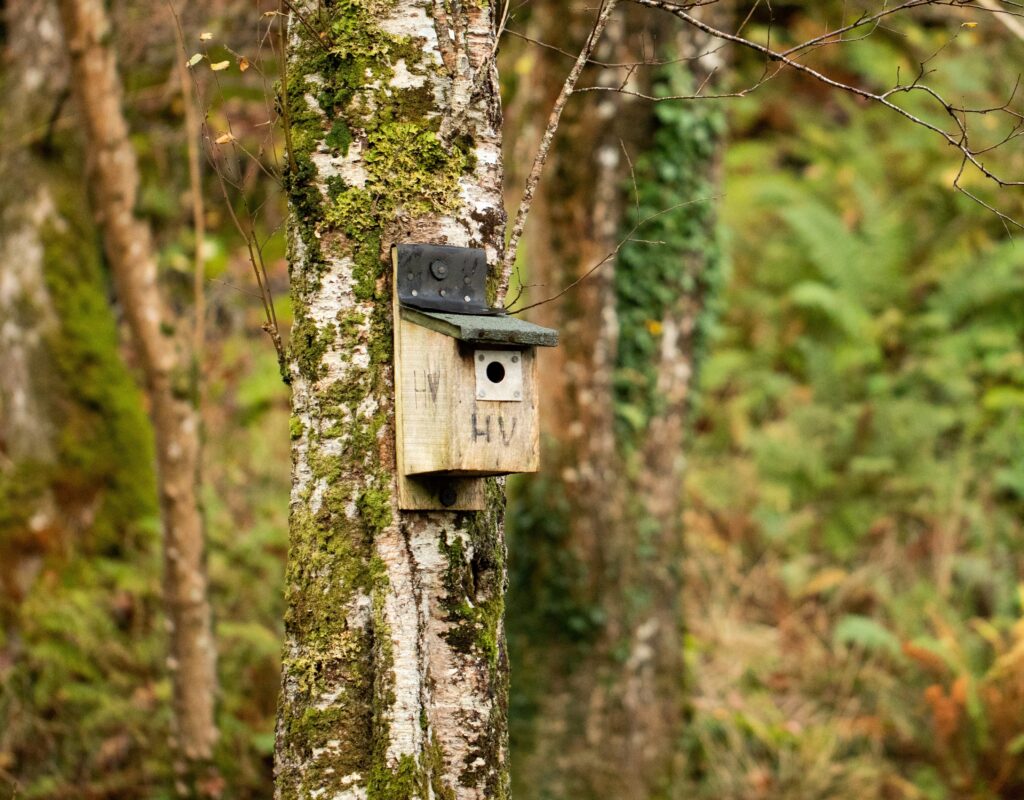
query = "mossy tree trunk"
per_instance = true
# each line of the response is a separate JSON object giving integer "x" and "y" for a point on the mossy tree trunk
{"x": 114, "y": 187}
{"x": 394, "y": 670}
{"x": 595, "y": 618}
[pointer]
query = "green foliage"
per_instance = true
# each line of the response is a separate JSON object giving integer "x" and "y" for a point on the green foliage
{"x": 868, "y": 634}
{"x": 84, "y": 691}
{"x": 546, "y": 600}
{"x": 856, "y": 479}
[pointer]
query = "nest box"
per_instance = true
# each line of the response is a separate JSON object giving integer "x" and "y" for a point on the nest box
{"x": 465, "y": 380}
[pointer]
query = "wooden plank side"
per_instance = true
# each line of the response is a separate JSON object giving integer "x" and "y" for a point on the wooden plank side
{"x": 424, "y": 493}
{"x": 498, "y": 437}
{"x": 432, "y": 377}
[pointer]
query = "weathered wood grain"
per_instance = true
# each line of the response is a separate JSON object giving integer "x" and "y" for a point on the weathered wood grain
{"x": 445, "y": 428}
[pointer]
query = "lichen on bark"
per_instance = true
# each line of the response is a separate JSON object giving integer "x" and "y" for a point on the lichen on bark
{"x": 393, "y": 132}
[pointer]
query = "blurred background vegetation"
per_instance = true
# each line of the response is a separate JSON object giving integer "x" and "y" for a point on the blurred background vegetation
{"x": 855, "y": 479}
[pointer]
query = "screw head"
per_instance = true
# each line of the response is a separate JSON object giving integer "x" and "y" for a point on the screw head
{"x": 480, "y": 357}
{"x": 515, "y": 359}
{"x": 439, "y": 270}
{"x": 466, "y": 298}
{"x": 515, "y": 395}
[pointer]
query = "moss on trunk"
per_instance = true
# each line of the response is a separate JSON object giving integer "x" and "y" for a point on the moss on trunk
{"x": 384, "y": 140}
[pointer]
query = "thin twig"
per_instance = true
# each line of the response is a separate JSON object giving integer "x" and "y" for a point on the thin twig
{"x": 192, "y": 134}
{"x": 959, "y": 140}
{"x": 259, "y": 267}
{"x": 643, "y": 62}
{"x": 622, "y": 243}
{"x": 1004, "y": 17}
{"x": 316, "y": 35}
{"x": 632, "y": 177}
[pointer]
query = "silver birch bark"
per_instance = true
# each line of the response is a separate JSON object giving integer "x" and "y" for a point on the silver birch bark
{"x": 394, "y": 670}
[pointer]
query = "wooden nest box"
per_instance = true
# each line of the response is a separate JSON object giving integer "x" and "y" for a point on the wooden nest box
{"x": 465, "y": 380}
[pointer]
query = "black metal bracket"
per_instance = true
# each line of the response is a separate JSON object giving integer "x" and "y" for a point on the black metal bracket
{"x": 437, "y": 278}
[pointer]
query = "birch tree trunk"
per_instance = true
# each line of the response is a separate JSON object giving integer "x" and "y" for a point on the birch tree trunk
{"x": 394, "y": 669}
{"x": 594, "y": 612}
{"x": 114, "y": 185}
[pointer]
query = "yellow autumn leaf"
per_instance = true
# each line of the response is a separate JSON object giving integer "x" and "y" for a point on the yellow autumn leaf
{"x": 828, "y": 578}
{"x": 205, "y": 36}
{"x": 654, "y": 327}
{"x": 196, "y": 58}
{"x": 243, "y": 64}
{"x": 968, "y": 24}
{"x": 524, "y": 64}
{"x": 225, "y": 138}
{"x": 220, "y": 65}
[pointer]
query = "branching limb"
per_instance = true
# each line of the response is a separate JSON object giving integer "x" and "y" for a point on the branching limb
{"x": 642, "y": 62}
{"x": 1004, "y": 17}
{"x": 254, "y": 250}
{"x": 959, "y": 140}
{"x": 775, "y": 61}
{"x": 509, "y": 258}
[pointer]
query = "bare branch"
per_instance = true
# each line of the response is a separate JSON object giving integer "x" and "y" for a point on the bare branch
{"x": 632, "y": 177}
{"x": 643, "y": 62}
{"x": 259, "y": 268}
{"x": 509, "y": 257}
{"x": 629, "y": 237}
{"x": 959, "y": 140}
{"x": 1004, "y": 17}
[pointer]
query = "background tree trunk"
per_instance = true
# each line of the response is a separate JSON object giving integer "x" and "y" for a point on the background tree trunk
{"x": 28, "y": 420}
{"x": 394, "y": 670}
{"x": 77, "y": 489}
{"x": 59, "y": 476}
{"x": 594, "y": 614}
{"x": 114, "y": 185}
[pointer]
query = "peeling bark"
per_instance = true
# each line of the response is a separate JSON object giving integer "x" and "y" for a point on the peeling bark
{"x": 114, "y": 185}
{"x": 394, "y": 669}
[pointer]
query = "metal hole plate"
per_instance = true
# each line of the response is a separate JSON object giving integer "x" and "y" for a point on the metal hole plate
{"x": 499, "y": 375}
